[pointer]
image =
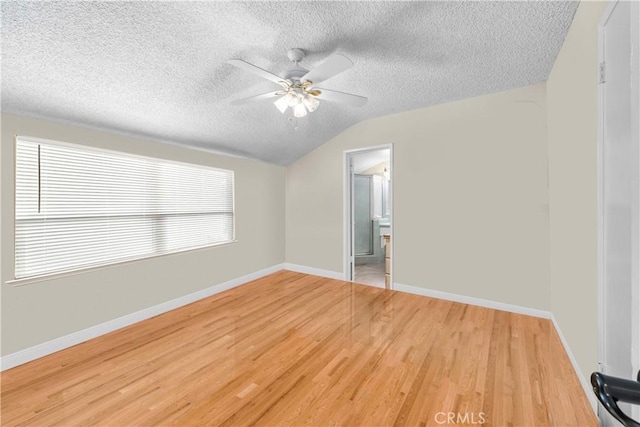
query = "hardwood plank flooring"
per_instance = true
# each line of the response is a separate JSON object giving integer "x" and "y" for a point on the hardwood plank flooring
{"x": 294, "y": 349}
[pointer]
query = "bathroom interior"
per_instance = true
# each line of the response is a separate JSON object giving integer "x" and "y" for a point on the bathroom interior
{"x": 372, "y": 217}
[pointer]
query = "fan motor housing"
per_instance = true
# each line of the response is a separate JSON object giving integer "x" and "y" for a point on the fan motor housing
{"x": 295, "y": 54}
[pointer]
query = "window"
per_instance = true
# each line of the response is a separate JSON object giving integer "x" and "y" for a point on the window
{"x": 79, "y": 207}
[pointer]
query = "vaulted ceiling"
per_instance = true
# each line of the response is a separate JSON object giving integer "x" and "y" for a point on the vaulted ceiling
{"x": 158, "y": 69}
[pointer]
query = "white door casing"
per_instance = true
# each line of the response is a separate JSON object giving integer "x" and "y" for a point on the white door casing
{"x": 619, "y": 195}
{"x": 348, "y": 212}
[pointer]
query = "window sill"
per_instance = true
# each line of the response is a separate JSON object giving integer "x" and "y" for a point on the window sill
{"x": 69, "y": 273}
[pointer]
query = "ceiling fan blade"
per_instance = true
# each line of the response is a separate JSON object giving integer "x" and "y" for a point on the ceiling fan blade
{"x": 270, "y": 95}
{"x": 341, "y": 97}
{"x": 333, "y": 65}
{"x": 255, "y": 70}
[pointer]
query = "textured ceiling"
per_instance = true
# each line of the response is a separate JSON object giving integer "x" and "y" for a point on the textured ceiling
{"x": 158, "y": 70}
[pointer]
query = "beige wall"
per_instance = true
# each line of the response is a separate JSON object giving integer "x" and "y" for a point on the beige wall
{"x": 572, "y": 122}
{"x": 41, "y": 311}
{"x": 470, "y": 201}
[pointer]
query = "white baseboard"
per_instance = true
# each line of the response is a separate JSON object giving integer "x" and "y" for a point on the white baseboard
{"x": 472, "y": 300}
{"x": 23, "y": 356}
{"x": 314, "y": 271}
{"x": 584, "y": 382}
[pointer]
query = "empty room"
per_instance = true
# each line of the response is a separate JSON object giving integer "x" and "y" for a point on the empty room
{"x": 341, "y": 213}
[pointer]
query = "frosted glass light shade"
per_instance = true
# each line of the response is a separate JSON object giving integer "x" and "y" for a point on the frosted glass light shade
{"x": 300, "y": 103}
{"x": 292, "y": 99}
{"x": 282, "y": 104}
{"x": 311, "y": 103}
{"x": 299, "y": 110}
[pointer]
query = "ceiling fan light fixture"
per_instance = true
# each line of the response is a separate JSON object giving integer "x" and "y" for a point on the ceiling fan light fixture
{"x": 298, "y": 84}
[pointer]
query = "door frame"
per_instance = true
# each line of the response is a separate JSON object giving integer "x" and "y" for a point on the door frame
{"x": 347, "y": 191}
{"x": 635, "y": 135}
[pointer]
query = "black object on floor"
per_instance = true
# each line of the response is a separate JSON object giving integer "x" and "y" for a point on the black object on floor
{"x": 611, "y": 390}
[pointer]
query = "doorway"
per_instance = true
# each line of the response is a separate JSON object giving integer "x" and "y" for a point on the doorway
{"x": 368, "y": 216}
{"x": 619, "y": 195}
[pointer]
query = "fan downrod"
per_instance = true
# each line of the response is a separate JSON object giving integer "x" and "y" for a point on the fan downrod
{"x": 294, "y": 74}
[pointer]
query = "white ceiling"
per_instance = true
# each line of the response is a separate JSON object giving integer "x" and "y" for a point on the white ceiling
{"x": 158, "y": 70}
{"x": 367, "y": 159}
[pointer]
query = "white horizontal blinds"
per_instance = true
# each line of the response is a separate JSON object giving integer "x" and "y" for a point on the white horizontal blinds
{"x": 78, "y": 207}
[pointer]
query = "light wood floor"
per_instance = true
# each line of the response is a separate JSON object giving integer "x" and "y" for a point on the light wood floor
{"x": 294, "y": 349}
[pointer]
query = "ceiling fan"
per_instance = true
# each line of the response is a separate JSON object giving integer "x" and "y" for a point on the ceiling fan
{"x": 299, "y": 85}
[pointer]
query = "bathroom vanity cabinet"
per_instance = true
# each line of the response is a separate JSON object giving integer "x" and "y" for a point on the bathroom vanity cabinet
{"x": 387, "y": 261}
